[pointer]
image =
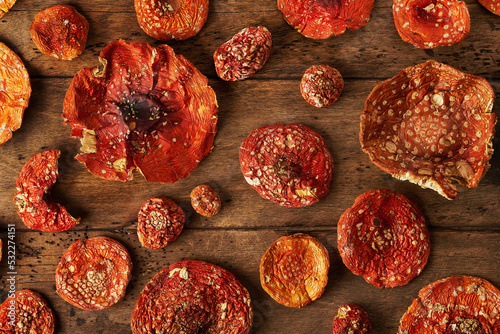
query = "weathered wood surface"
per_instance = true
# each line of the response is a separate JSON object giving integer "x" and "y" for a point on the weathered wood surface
{"x": 465, "y": 232}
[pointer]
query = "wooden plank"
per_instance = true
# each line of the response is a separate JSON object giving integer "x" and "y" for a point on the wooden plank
{"x": 375, "y": 51}
{"x": 239, "y": 251}
{"x": 101, "y": 203}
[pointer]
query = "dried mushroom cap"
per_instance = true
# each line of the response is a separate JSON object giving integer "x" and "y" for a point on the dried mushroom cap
{"x": 294, "y": 270}
{"x": 147, "y": 110}
{"x": 428, "y": 24}
{"x": 93, "y": 274}
{"x": 193, "y": 297}
{"x": 321, "y": 85}
{"x": 322, "y": 19}
{"x": 431, "y": 124}
{"x": 32, "y": 199}
{"x": 160, "y": 222}
{"x": 15, "y": 92}
{"x": 492, "y": 5}
{"x": 457, "y": 304}
{"x": 205, "y": 201}
{"x": 351, "y": 319}
{"x": 287, "y": 164}
{"x": 60, "y": 31}
{"x": 244, "y": 54}
{"x": 32, "y": 314}
{"x": 383, "y": 237}
{"x": 5, "y": 6}
{"x": 166, "y": 20}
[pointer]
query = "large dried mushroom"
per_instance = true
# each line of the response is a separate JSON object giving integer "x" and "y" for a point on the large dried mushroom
{"x": 147, "y": 109}
{"x": 431, "y": 124}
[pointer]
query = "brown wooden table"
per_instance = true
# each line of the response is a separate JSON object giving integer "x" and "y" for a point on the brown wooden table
{"x": 465, "y": 233}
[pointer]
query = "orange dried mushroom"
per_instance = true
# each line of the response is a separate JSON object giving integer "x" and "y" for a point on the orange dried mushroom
{"x": 171, "y": 19}
{"x": 5, "y": 6}
{"x": 205, "y": 201}
{"x": 93, "y": 274}
{"x": 147, "y": 110}
{"x": 294, "y": 270}
{"x": 15, "y": 92}
{"x": 431, "y": 124}
{"x": 26, "y": 312}
{"x": 60, "y": 32}
{"x": 430, "y": 23}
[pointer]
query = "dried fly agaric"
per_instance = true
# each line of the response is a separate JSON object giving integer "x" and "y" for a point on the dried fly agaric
{"x": 427, "y": 24}
{"x": 15, "y": 92}
{"x": 166, "y": 19}
{"x": 147, "y": 109}
{"x": 60, "y": 32}
{"x": 294, "y": 270}
{"x": 26, "y": 312}
{"x": 244, "y": 54}
{"x": 32, "y": 199}
{"x": 351, "y": 319}
{"x": 205, "y": 201}
{"x": 383, "y": 237}
{"x": 457, "y": 304}
{"x": 322, "y": 19}
{"x": 431, "y": 124}
{"x": 160, "y": 222}
{"x": 321, "y": 85}
{"x": 287, "y": 164}
{"x": 492, "y": 5}
{"x": 193, "y": 297}
{"x": 93, "y": 274}
{"x": 5, "y": 6}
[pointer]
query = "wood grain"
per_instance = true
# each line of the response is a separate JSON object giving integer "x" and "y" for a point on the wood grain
{"x": 464, "y": 232}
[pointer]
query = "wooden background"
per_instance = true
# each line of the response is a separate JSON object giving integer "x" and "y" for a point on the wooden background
{"x": 464, "y": 233}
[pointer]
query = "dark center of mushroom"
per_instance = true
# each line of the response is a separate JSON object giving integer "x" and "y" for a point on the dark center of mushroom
{"x": 429, "y": 12}
{"x": 141, "y": 113}
{"x": 376, "y": 221}
{"x": 168, "y": 8}
{"x": 192, "y": 318}
{"x": 460, "y": 325}
{"x": 286, "y": 169}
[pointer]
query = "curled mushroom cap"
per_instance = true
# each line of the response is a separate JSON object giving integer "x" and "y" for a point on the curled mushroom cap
{"x": 193, "y": 297}
{"x": 427, "y": 24}
{"x": 457, "y": 304}
{"x": 431, "y": 124}
{"x": 148, "y": 109}
{"x": 15, "y": 92}
{"x": 324, "y": 18}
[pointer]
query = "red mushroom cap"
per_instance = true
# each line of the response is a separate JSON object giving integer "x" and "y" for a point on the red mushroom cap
{"x": 166, "y": 20}
{"x": 431, "y": 124}
{"x": 193, "y": 297}
{"x": 323, "y": 18}
{"x": 287, "y": 164}
{"x": 430, "y": 23}
{"x": 492, "y": 5}
{"x": 147, "y": 109}
{"x": 457, "y": 304}
{"x": 321, "y": 85}
{"x": 351, "y": 319}
{"x": 32, "y": 199}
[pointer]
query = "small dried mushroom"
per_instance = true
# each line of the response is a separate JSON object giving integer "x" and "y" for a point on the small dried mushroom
{"x": 32, "y": 199}
{"x": 431, "y": 124}
{"x": 93, "y": 274}
{"x": 294, "y": 270}
{"x": 60, "y": 32}
{"x": 193, "y": 297}
{"x": 244, "y": 54}
{"x": 160, "y": 222}
{"x": 205, "y": 201}
{"x": 351, "y": 319}
{"x": 322, "y": 19}
{"x": 428, "y": 24}
{"x": 455, "y": 305}
{"x": 15, "y": 92}
{"x": 383, "y": 237}
{"x": 287, "y": 164}
{"x": 166, "y": 19}
{"x": 26, "y": 312}
{"x": 147, "y": 109}
{"x": 321, "y": 85}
